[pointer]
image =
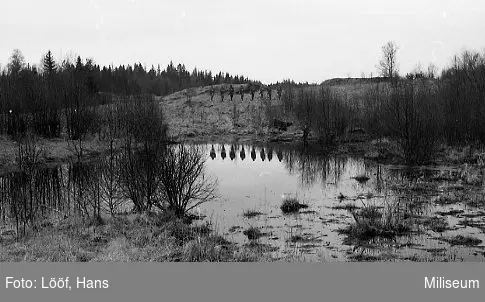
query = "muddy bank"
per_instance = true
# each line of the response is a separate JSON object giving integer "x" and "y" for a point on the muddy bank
{"x": 53, "y": 151}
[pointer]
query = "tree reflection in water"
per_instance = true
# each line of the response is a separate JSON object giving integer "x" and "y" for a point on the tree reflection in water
{"x": 242, "y": 154}
{"x": 232, "y": 153}
{"x": 223, "y": 152}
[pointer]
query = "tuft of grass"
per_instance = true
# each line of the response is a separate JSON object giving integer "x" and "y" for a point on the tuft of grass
{"x": 372, "y": 258}
{"x": 212, "y": 248}
{"x": 436, "y": 224}
{"x": 184, "y": 232}
{"x": 309, "y": 212}
{"x": 348, "y": 207}
{"x": 364, "y": 232}
{"x": 292, "y": 205}
{"x": 450, "y": 212}
{"x": 436, "y": 250}
{"x": 450, "y": 198}
{"x": 234, "y": 228}
{"x": 251, "y": 213}
{"x": 463, "y": 240}
{"x": 374, "y": 221}
{"x": 253, "y": 233}
{"x": 472, "y": 223}
{"x": 361, "y": 178}
{"x": 370, "y": 212}
{"x": 304, "y": 239}
{"x": 260, "y": 247}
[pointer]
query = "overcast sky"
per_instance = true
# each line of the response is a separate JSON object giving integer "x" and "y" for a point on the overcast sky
{"x": 267, "y": 40}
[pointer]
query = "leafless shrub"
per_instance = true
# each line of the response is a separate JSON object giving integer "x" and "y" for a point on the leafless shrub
{"x": 413, "y": 118}
{"x": 85, "y": 189}
{"x": 30, "y": 151}
{"x": 140, "y": 176}
{"x": 321, "y": 112}
{"x": 144, "y": 122}
{"x": 185, "y": 185}
{"x": 82, "y": 121}
{"x": 330, "y": 115}
{"x": 140, "y": 165}
{"x": 110, "y": 184}
{"x": 304, "y": 110}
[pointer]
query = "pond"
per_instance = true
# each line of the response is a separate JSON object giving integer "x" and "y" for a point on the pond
{"x": 356, "y": 210}
{"x": 256, "y": 179}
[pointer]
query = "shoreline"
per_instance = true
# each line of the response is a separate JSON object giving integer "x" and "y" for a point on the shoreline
{"x": 58, "y": 151}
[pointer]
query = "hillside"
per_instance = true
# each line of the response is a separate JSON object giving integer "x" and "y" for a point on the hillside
{"x": 199, "y": 118}
{"x": 204, "y": 120}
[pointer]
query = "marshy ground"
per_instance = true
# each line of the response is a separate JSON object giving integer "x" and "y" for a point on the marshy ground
{"x": 125, "y": 238}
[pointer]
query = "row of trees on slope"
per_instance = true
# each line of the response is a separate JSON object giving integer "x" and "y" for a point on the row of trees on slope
{"x": 420, "y": 113}
{"x": 41, "y": 96}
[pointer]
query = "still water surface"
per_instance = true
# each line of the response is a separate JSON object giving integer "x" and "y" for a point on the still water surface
{"x": 259, "y": 178}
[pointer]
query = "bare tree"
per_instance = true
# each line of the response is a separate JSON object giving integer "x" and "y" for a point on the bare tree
{"x": 432, "y": 70}
{"x": 146, "y": 132}
{"x": 110, "y": 182}
{"x": 304, "y": 112}
{"x": 185, "y": 185}
{"x": 387, "y": 66}
{"x": 17, "y": 62}
{"x": 140, "y": 171}
{"x": 25, "y": 206}
{"x": 30, "y": 151}
{"x": 85, "y": 121}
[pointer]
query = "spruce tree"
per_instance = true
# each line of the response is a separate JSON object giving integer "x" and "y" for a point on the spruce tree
{"x": 49, "y": 64}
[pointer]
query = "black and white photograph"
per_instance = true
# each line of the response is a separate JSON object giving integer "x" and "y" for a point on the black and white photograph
{"x": 242, "y": 131}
